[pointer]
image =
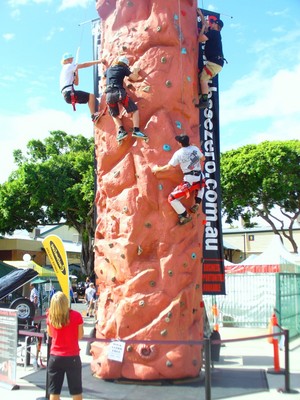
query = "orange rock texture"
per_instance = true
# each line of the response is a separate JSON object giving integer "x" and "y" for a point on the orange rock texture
{"x": 149, "y": 269}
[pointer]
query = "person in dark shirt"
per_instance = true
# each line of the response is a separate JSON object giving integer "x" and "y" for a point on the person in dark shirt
{"x": 214, "y": 55}
{"x": 116, "y": 94}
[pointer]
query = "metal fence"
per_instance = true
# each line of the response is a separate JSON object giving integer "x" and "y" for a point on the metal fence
{"x": 288, "y": 302}
{"x": 251, "y": 299}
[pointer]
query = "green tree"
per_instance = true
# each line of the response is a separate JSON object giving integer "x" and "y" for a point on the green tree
{"x": 53, "y": 184}
{"x": 256, "y": 178}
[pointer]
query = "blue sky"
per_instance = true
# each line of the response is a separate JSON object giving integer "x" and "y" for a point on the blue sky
{"x": 259, "y": 87}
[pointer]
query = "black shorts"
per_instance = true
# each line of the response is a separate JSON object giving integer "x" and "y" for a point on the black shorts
{"x": 81, "y": 97}
{"x": 58, "y": 366}
{"x": 116, "y": 96}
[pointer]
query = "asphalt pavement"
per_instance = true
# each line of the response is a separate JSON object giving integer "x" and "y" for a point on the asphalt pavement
{"x": 241, "y": 348}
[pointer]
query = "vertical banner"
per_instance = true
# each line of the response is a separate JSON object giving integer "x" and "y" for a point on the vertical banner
{"x": 57, "y": 255}
{"x": 8, "y": 348}
{"x": 213, "y": 259}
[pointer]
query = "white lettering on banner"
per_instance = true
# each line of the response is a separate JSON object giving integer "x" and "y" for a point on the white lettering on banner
{"x": 211, "y": 194}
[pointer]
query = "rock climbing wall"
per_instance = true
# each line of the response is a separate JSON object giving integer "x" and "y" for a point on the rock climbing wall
{"x": 148, "y": 267}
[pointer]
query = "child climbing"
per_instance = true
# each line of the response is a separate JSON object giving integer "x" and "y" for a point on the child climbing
{"x": 116, "y": 93}
{"x": 189, "y": 158}
{"x": 69, "y": 77}
{"x": 214, "y": 55}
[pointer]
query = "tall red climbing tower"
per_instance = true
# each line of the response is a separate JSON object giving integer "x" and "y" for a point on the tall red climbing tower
{"x": 149, "y": 269}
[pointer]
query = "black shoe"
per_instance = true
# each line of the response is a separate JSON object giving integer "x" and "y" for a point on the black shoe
{"x": 184, "y": 220}
{"x": 202, "y": 104}
{"x": 195, "y": 208}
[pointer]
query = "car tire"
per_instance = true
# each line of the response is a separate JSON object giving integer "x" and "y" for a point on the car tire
{"x": 25, "y": 307}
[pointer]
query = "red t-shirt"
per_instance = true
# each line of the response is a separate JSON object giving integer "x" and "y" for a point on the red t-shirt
{"x": 65, "y": 340}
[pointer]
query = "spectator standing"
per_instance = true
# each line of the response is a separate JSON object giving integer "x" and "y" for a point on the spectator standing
{"x": 90, "y": 297}
{"x": 34, "y": 295}
{"x": 65, "y": 327}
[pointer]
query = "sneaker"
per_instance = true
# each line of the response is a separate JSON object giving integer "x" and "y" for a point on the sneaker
{"x": 139, "y": 134}
{"x": 202, "y": 104}
{"x": 184, "y": 220}
{"x": 96, "y": 116}
{"x": 121, "y": 135}
{"x": 195, "y": 208}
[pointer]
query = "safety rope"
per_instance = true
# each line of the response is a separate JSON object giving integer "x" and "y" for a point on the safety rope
{"x": 180, "y": 50}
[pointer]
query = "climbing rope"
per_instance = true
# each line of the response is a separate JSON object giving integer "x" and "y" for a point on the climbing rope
{"x": 180, "y": 49}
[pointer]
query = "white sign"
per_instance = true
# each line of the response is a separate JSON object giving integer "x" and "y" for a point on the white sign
{"x": 116, "y": 351}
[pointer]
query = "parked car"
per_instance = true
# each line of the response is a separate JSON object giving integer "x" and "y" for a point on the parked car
{"x": 10, "y": 298}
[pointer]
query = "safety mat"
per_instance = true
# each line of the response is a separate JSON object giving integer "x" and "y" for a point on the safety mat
{"x": 225, "y": 383}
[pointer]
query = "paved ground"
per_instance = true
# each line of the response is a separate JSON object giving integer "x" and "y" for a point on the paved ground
{"x": 241, "y": 354}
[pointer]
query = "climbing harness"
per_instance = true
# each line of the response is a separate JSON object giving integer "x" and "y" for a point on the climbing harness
{"x": 72, "y": 94}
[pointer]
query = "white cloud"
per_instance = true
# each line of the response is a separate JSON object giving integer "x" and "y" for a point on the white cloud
{"x": 257, "y": 96}
{"x": 18, "y": 130}
{"x": 65, "y": 4}
{"x": 8, "y": 36}
{"x": 17, "y": 3}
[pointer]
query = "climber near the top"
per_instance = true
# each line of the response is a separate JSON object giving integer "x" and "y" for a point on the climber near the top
{"x": 116, "y": 94}
{"x": 213, "y": 51}
{"x": 190, "y": 159}
{"x": 69, "y": 78}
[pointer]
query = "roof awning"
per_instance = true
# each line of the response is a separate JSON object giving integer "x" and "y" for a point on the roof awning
{"x": 229, "y": 246}
{"x": 45, "y": 272}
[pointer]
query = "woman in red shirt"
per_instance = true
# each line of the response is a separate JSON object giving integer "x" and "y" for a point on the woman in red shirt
{"x": 65, "y": 326}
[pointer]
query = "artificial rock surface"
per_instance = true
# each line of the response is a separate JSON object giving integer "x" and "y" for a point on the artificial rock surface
{"x": 148, "y": 267}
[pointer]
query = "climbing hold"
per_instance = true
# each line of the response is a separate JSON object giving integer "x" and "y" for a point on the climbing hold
{"x": 139, "y": 250}
{"x": 169, "y": 314}
{"x": 170, "y": 272}
{"x": 183, "y": 50}
{"x": 147, "y": 89}
{"x": 111, "y": 245}
{"x": 169, "y": 363}
{"x": 146, "y": 28}
{"x": 185, "y": 264}
{"x": 158, "y": 28}
{"x": 141, "y": 303}
{"x": 125, "y": 209}
{"x": 163, "y": 60}
{"x": 122, "y": 256}
{"x": 164, "y": 332}
{"x": 124, "y": 48}
{"x": 178, "y": 124}
{"x": 146, "y": 351}
{"x": 106, "y": 259}
{"x": 195, "y": 362}
{"x": 148, "y": 225}
{"x": 116, "y": 174}
{"x": 197, "y": 286}
{"x": 176, "y": 17}
{"x": 152, "y": 283}
{"x": 182, "y": 304}
{"x": 160, "y": 187}
{"x": 168, "y": 83}
{"x": 129, "y": 3}
{"x": 113, "y": 279}
{"x": 183, "y": 13}
{"x": 166, "y": 147}
{"x": 194, "y": 256}
{"x": 189, "y": 78}
{"x": 129, "y": 348}
{"x": 167, "y": 320}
